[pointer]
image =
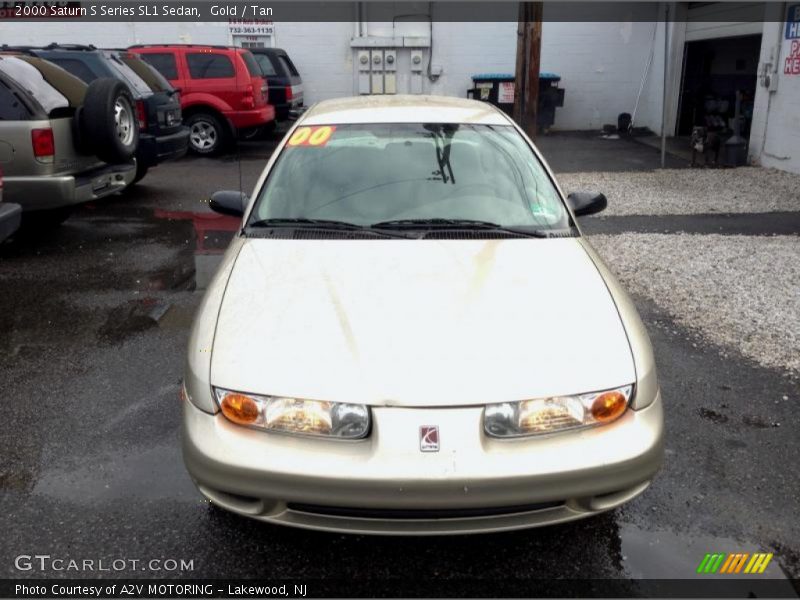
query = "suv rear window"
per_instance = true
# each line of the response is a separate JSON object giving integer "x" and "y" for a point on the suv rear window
{"x": 51, "y": 86}
{"x": 146, "y": 72}
{"x": 76, "y": 67}
{"x": 209, "y": 66}
{"x": 163, "y": 63}
{"x": 11, "y": 107}
{"x": 266, "y": 65}
{"x": 288, "y": 65}
{"x": 137, "y": 85}
{"x": 252, "y": 65}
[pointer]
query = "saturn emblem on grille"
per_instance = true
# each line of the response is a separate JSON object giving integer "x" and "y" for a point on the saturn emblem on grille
{"x": 429, "y": 438}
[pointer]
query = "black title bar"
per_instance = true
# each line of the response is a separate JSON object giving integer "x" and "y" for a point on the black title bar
{"x": 732, "y": 587}
{"x": 336, "y": 11}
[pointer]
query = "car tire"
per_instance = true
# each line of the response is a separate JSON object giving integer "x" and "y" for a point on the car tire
{"x": 108, "y": 122}
{"x": 207, "y": 134}
{"x": 270, "y": 129}
{"x": 141, "y": 171}
{"x": 251, "y": 134}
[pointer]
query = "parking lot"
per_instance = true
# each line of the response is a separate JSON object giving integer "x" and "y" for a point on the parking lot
{"x": 95, "y": 319}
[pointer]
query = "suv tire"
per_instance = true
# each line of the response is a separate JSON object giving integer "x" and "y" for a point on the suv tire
{"x": 207, "y": 134}
{"x": 36, "y": 221}
{"x": 108, "y": 121}
{"x": 141, "y": 171}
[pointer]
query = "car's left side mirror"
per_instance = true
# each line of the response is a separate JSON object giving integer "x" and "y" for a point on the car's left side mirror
{"x": 229, "y": 202}
{"x": 586, "y": 203}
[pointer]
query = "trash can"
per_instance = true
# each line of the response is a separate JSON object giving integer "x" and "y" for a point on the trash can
{"x": 550, "y": 97}
{"x": 495, "y": 88}
{"x": 498, "y": 89}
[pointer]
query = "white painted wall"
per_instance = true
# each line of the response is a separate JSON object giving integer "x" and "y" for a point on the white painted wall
{"x": 775, "y": 131}
{"x": 601, "y": 63}
{"x": 466, "y": 49}
{"x": 601, "y": 67}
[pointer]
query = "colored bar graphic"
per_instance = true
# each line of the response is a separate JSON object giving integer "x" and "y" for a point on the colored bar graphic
{"x": 719, "y": 562}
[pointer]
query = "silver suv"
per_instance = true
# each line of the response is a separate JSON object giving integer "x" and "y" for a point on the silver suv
{"x": 9, "y": 214}
{"x": 62, "y": 142}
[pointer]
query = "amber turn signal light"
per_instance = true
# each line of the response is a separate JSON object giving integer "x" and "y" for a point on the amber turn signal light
{"x": 240, "y": 409}
{"x": 608, "y": 406}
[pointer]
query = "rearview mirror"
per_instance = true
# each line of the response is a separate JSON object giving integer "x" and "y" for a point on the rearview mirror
{"x": 586, "y": 203}
{"x": 229, "y": 202}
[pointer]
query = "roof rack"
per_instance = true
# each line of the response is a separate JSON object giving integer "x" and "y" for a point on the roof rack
{"x": 56, "y": 46}
{"x": 53, "y": 46}
{"x": 184, "y": 46}
{"x": 20, "y": 49}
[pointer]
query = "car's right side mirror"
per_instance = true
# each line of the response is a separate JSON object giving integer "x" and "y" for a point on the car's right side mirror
{"x": 586, "y": 203}
{"x": 229, "y": 202}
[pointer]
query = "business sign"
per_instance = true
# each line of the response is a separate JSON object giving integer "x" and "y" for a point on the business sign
{"x": 791, "y": 65}
{"x": 505, "y": 95}
{"x": 250, "y": 27}
{"x": 793, "y": 22}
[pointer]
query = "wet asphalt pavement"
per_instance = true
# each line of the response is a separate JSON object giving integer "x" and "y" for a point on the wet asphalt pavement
{"x": 95, "y": 318}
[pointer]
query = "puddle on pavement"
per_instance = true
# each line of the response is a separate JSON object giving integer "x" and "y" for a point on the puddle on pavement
{"x": 153, "y": 473}
{"x": 660, "y": 554}
{"x": 213, "y": 233}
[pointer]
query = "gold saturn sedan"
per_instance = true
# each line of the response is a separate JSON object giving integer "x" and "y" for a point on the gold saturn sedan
{"x": 410, "y": 335}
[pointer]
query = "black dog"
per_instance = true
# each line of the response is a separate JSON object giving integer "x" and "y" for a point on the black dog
{"x": 706, "y": 143}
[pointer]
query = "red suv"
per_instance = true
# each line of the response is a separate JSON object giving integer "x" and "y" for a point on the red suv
{"x": 223, "y": 92}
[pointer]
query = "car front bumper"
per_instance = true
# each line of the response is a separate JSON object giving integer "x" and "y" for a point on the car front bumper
{"x": 42, "y": 192}
{"x": 385, "y": 485}
{"x": 153, "y": 150}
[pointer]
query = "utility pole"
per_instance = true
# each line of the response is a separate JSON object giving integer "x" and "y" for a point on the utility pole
{"x": 664, "y": 91}
{"x": 529, "y": 45}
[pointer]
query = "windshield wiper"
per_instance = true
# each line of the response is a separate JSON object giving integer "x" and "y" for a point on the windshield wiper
{"x": 316, "y": 224}
{"x": 458, "y": 224}
{"x": 303, "y": 222}
{"x": 442, "y": 140}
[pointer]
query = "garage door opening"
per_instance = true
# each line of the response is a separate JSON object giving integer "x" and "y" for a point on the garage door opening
{"x": 715, "y": 73}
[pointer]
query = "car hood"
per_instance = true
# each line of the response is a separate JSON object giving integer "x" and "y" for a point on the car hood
{"x": 418, "y": 323}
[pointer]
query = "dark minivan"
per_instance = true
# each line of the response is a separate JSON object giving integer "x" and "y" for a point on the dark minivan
{"x": 162, "y": 135}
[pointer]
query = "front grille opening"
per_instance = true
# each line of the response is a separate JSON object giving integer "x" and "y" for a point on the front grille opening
{"x": 435, "y": 513}
{"x": 310, "y": 233}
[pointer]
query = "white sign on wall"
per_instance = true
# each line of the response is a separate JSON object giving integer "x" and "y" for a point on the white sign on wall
{"x": 505, "y": 95}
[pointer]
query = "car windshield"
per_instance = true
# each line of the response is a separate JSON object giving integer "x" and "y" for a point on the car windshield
{"x": 368, "y": 174}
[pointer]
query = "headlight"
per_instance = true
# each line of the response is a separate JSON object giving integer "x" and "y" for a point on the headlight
{"x": 548, "y": 415}
{"x": 292, "y": 415}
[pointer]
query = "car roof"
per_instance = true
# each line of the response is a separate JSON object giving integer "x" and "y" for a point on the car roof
{"x": 403, "y": 109}
{"x": 187, "y": 47}
{"x": 280, "y": 51}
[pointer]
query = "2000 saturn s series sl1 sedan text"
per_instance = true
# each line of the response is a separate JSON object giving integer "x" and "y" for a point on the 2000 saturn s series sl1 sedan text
{"x": 410, "y": 335}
